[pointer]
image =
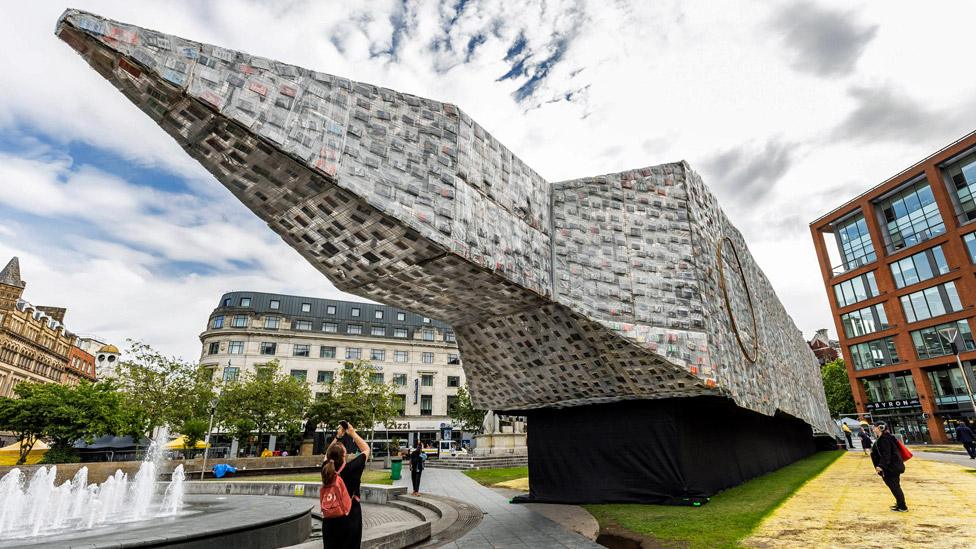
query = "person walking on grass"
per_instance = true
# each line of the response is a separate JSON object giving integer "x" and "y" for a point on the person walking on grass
{"x": 417, "y": 459}
{"x": 964, "y": 434}
{"x": 342, "y": 524}
{"x": 888, "y": 463}
{"x": 865, "y": 439}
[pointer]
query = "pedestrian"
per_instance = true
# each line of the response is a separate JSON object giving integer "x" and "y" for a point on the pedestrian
{"x": 888, "y": 463}
{"x": 847, "y": 434}
{"x": 964, "y": 434}
{"x": 417, "y": 459}
{"x": 341, "y": 477}
{"x": 865, "y": 439}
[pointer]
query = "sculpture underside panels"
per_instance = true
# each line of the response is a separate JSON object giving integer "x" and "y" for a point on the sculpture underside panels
{"x": 618, "y": 287}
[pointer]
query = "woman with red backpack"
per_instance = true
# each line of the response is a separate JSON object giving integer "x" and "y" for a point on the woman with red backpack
{"x": 342, "y": 516}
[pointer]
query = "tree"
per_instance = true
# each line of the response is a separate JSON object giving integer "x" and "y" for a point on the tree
{"x": 66, "y": 414}
{"x": 267, "y": 398}
{"x": 837, "y": 388}
{"x": 465, "y": 415}
{"x": 169, "y": 391}
{"x": 354, "y": 397}
{"x": 193, "y": 430}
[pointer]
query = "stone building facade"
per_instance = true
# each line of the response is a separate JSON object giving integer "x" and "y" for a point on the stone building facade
{"x": 311, "y": 338}
{"x": 33, "y": 346}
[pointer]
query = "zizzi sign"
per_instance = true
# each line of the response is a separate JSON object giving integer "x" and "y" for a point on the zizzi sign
{"x": 888, "y": 404}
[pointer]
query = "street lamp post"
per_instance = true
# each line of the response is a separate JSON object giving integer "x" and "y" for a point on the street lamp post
{"x": 206, "y": 440}
{"x": 952, "y": 335}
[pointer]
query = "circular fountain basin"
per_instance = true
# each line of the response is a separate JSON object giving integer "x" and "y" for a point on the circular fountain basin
{"x": 207, "y": 521}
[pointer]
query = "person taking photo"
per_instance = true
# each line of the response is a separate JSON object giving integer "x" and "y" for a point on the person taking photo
{"x": 342, "y": 524}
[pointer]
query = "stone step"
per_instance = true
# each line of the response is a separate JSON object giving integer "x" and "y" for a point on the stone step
{"x": 447, "y": 515}
{"x": 423, "y": 513}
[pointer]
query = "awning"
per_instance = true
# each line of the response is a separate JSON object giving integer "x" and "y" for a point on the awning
{"x": 180, "y": 443}
{"x": 9, "y": 455}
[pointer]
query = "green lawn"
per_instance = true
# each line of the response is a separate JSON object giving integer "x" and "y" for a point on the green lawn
{"x": 369, "y": 477}
{"x": 728, "y": 518}
{"x": 494, "y": 476}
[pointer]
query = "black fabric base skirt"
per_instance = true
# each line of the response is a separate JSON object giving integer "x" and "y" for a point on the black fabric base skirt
{"x": 676, "y": 451}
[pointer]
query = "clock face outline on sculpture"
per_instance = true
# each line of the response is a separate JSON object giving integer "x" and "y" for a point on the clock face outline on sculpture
{"x": 738, "y": 299}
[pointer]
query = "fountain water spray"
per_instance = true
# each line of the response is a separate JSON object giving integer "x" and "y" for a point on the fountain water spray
{"x": 40, "y": 507}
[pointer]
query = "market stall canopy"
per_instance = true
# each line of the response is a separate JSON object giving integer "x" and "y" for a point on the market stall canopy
{"x": 180, "y": 443}
{"x": 9, "y": 455}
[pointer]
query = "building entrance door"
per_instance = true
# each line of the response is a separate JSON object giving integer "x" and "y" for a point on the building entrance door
{"x": 910, "y": 425}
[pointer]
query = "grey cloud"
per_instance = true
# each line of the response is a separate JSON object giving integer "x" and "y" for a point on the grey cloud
{"x": 887, "y": 114}
{"x": 748, "y": 173}
{"x": 824, "y": 42}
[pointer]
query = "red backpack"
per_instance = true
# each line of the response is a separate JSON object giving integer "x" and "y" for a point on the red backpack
{"x": 334, "y": 498}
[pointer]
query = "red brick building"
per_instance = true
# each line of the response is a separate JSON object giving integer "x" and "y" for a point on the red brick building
{"x": 898, "y": 265}
{"x": 825, "y": 349}
{"x": 81, "y": 366}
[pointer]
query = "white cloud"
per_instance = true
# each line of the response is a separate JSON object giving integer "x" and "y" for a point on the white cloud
{"x": 648, "y": 82}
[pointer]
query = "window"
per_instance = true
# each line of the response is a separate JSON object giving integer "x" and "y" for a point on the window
{"x": 353, "y": 353}
{"x": 245, "y": 302}
{"x": 231, "y": 373}
{"x": 864, "y": 321}
{"x": 324, "y": 376}
{"x": 236, "y": 347}
{"x": 399, "y": 332}
{"x": 932, "y": 341}
{"x": 271, "y": 322}
{"x": 378, "y": 314}
{"x": 969, "y": 239}
{"x": 426, "y": 405}
{"x": 327, "y": 352}
{"x": 218, "y": 321}
{"x": 919, "y": 267}
{"x": 330, "y": 309}
{"x": 911, "y": 216}
{"x": 275, "y": 304}
{"x": 856, "y": 289}
{"x": 227, "y": 302}
{"x": 354, "y": 311}
{"x": 427, "y": 358}
{"x": 306, "y": 307}
{"x": 377, "y": 331}
{"x": 300, "y": 375}
{"x": 378, "y": 355}
{"x": 890, "y": 387}
{"x": 401, "y": 356}
{"x": 376, "y": 377}
{"x": 451, "y": 403}
{"x": 449, "y": 337}
{"x": 303, "y": 325}
{"x": 453, "y": 381}
{"x": 402, "y": 317}
{"x": 400, "y": 379}
{"x": 330, "y": 327}
{"x": 426, "y": 320}
{"x": 854, "y": 242}
{"x": 213, "y": 348}
{"x": 962, "y": 179}
{"x": 428, "y": 335}
{"x": 400, "y": 402}
{"x": 427, "y": 380}
{"x": 948, "y": 385}
{"x": 240, "y": 321}
{"x": 355, "y": 329}
{"x": 931, "y": 302}
{"x": 268, "y": 348}
{"x": 299, "y": 350}
{"x": 453, "y": 359}
{"x": 874, "y": 354}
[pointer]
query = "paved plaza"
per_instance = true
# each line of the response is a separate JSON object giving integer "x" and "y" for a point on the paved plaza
{"x": 504, "y": 524}
{"x": 847, "y": 506}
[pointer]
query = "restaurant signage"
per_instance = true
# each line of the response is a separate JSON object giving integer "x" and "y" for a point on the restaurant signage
{"x": 889, "y": 404}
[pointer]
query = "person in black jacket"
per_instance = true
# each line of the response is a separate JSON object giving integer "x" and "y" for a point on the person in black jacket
{"x": 417, "y": 458}
{"x": 964, "y": 434}
{"x": 886, "y": 456}
{"x": 865, "y": 439}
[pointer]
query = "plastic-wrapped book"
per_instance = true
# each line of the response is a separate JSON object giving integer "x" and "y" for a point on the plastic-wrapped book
{"x": 623, "y": 306}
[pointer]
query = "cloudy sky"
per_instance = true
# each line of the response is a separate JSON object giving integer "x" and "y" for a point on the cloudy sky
{"x": 786, "y": 108}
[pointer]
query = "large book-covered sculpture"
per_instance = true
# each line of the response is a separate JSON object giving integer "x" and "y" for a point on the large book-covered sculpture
{"x": 622, "y": 313}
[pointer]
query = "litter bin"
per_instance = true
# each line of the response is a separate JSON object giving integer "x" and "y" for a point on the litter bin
{"x": 396, "y": 466}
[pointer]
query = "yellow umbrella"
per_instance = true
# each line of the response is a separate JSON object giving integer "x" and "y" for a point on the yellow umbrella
{"x": 180, "y": 443}
{"x": 10, "y": 454}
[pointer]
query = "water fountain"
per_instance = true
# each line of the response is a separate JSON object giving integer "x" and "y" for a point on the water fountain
{"x": 39, "y": 507}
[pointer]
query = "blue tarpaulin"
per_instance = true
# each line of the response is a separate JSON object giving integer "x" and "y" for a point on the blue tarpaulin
{"x": 222, "y": 469}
